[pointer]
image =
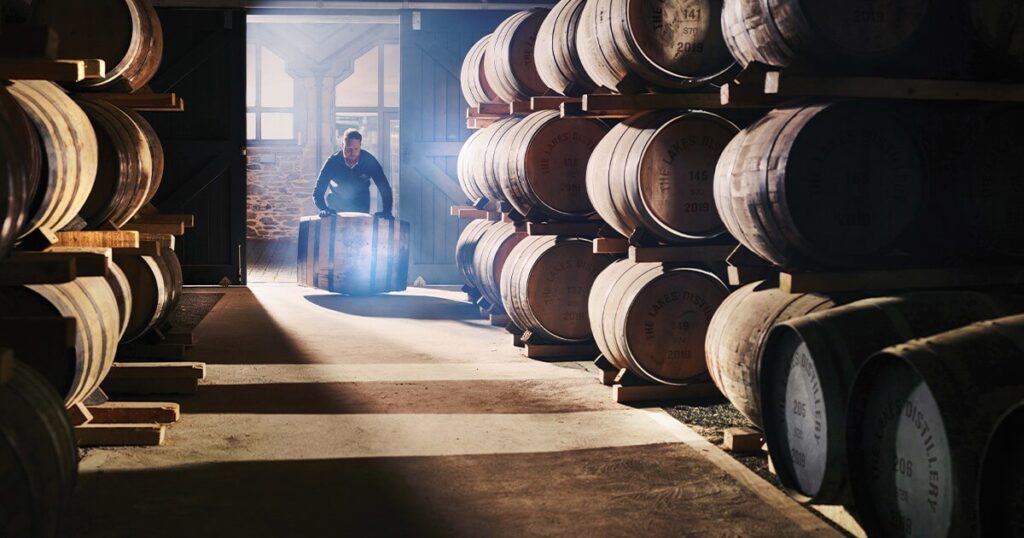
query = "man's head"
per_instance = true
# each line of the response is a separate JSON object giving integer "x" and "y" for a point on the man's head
{"x": 353, "y": 143}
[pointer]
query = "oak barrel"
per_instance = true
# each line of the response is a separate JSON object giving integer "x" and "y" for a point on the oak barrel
{"x": 309, "y": 251}
{"x": 69, "y": 154}
{"x": 625, "y": 46}
{"x": 473, "y": 77}
{"x": 156, "y": 151}
{"x": 126, "y": 34}
{"x": 809, "y": 362}
{"x": 545, "y": 286}
{"x": 737, "y": 336}
{"x": 94, "y": 307}
{"x": 653, "y": 174}
{"x": 20, "y": 168}
{"x": 558, "y": 60}
{"x": 464, "y": 167}
{"x": 821, "y": 185}
{"x": 124, "y": 175}
{"x": 544, "y": 172}
{"x": 362, "y": 254}
{"x": 486, "y": 154}
{"x": 465, "y": 250}
{"x": 39, "y": 455}
{"x": 156, "y": 287}
{"x": 654, "y": 319}
{"x": 510, "y": 67}
{"x": 920, "y": 416}
{"x": 491, "y": 255}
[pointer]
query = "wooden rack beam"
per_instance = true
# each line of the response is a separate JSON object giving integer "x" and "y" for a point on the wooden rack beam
{"x": 56, "y": 70}
{"x": 551, "y": 102}
{"x": 143, "y": 102}
{"x": 108, "y": 239}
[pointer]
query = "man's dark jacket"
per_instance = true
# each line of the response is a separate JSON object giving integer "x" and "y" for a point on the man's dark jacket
{"x": 341, "y": 188}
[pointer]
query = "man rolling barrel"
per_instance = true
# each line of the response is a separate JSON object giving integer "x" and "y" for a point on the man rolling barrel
{"x": 344, "y": 182}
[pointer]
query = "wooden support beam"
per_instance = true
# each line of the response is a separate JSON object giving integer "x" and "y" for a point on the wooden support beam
{"x": 561, "y": 351}
{"x": 148, "y": 352}
{"x": 173, "y": 228}
{"x": 494, "y": 109}
{"x": 742, "y": 440}
{"x": 154, "y": 378}
{"x": 89, "y": 261}
{"x": 901, "y": 279}
{"x": 143, "y": 102}
{"x": 107, "y": 239}
{"x": 146, "y": 248}
{"x": 28, "y": 41}
{"x": 79, "y": 414}
{"x": 741, "y": 276}
{"x": 551, "y": 102}
{"x": 519, "y": 107}
{"x": 135, "y": 412}
{"x": 607, "y": 372}
{"x": 92, "y": 435}
{"x": 611, "y": 245}
{"x": 55, "y": 70}
{"x": 630, "y": 389}
{"x": 39, "y": 271}
{"x": 588, "y": 228}
{"x": 681, "y": 254}
{"x": 187, "y": 220}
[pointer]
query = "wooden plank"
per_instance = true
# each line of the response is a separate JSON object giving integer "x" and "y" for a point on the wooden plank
{"x": 742, "y": 440}
{"x": 551, "y": 102}
{"x": 611, "y": 245}
{"x": 588, "y": 228}
{"x": 109, "y": 239}
{"x": 166, "y": 240}
{"x": 499, "y": 320}
{"x": 151, "y": 387}
{"x": 900, "y": 279}
{"x": 794, "y": 86}
{"x": 561, "y": 351}
{"x": 186, "y": 219}
{"x": 157, "y": 370}
{"x": 519, "y": 107}
{"x": 39, "y": 271}
{"x": 570, "y": 108}
{"x": 28, "y": 41}
{"x": 95, "y": 68}
{"x": 741, "y": 276}
{"x": 135, "y": 412}
{"x": 120, "y": 435}
{"x": 681, "y": 254}
{"x": 173, "y": 228}
{"x": 162, "y": 352}
{"x": 55, "y": 70}
{"x": 659, "y": 393}
{"x": 143, "y": 102}
{"x": 89, "y": 261}
{"x": 494, "y": 109}
{"x": 79, "y": 414}
{"x": 456, "y": 209}
{"x": 474, "y": 214}
{"x": 146, "y": 248}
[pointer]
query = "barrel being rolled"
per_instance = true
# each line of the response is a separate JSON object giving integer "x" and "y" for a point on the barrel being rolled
{"x": 653, "y": 320}
{"x": 39, "y": 454}
{"x": 126, "y": 34}
{"x": 809, "y": 363}
{"x": 627, "y": 46}
{"x": 95, "y": 309}
{"x": 69, "y": 154}
{"x": 510, "y": 67}
{"x": 360, "y": 254}
{"x": 473, "y": 77}
{"x": 544, "y": 172}
{"x": 737, "y": 336}
{"x": 821, "y": 185}
{"x": 20, "y": 164}
{"x": 920, "y": 417}
{"x": 491, "y": 255}
{"x": 125, "y": 166}
{"x": 545, "y": 286}
{"x": 653, "y": 175}
{"x": 558, "y": 59}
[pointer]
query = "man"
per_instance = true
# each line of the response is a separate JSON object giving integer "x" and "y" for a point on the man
{"x": 344, "y": 182}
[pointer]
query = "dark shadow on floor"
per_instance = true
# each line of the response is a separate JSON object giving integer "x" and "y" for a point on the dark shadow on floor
{"x": 398, "y": 306}
{"x": 466, "y": 396}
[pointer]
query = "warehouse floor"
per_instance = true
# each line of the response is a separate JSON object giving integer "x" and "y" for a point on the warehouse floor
{"x": 405, "y": 414}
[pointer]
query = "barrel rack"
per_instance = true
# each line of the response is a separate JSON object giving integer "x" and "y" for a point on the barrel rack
{"x": 56, "y": 257}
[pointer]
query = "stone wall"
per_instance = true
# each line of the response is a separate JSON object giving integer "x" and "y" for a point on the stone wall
{"x": 280, "y": 190}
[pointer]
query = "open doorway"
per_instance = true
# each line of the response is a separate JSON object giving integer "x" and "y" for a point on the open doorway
{"x": 308, "y": 80}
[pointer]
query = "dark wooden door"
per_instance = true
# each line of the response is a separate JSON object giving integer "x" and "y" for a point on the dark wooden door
{"x": 433, "y": 127}
{"x": 204, "y": 63}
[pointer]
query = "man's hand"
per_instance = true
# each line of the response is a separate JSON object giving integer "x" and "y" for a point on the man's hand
{"x": 324, "y": 213}
{"x": 384, "y": 215}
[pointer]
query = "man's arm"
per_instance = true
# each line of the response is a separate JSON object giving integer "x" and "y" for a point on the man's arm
{"x": 320, "y": 190}
{"x": 384, "y": 187}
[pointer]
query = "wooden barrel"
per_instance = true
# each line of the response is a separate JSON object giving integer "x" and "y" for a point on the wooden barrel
{"x": 558, "y": 60}
{"x": 39, "y": 454}
{"x": 544, "y": 172}
{"x": 545, "y": 286}
{"x": 20, "y": 168}
{"x": 852, "y": 177}
{"x": 465, "y": 249}
{"x": 464, "y": 167}
{"x": 491, "y": 255}
{"x": 486, "y": 155}
{"x": 156, "y": 151}
{"x": 122, "y": 289}
{"x": 737, "y": 336}
{"x": 153, "y": 283}
{"x": 920, "y": 416}
{"x": 362, "y": 254}
{"x": 625, "y": 46}
{"x": 69, "y": 153}
{"x": 510, "y": 67}
{"x": 125, "y": 171}
{"x": 809, "y": 362}
{"x": 830, "y": 34}
{"x": 309, "y": 251}
{"x": 473, "y": 77}
{"x": 1002, "y": 477}
{"x": 93, "y": 305}
{"x": 126, "y": 34}
{"x": 653, "y": 175}
{"x": 653, "y": 320}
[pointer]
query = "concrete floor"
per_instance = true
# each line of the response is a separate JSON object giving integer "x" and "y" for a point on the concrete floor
{"x": 406, "y": 415}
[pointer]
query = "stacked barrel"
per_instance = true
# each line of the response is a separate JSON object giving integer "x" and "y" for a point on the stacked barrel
{"x": 862, "y": 396}
{"x": 72, "y": 161}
